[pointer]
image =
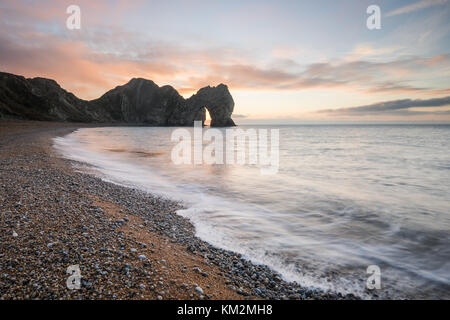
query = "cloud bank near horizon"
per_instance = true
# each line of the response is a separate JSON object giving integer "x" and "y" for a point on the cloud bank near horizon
{"x": 394, "y": 106}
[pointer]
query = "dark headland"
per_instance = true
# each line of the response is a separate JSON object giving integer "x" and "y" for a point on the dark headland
{"x": 140, "y": 101}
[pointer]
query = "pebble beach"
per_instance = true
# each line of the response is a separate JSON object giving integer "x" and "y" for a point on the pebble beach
{"x": 128, "y": 244}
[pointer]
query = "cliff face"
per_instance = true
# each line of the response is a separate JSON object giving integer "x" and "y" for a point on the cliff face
{"x": 217, "y": 100}
{"x": 38, "y": 99}
{"x": 140, "y": 101}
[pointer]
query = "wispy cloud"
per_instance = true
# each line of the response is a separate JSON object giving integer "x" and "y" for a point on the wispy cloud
{"x": 395, "y": 105}
{"x": 89, "y": 69}
{"x": 415, "y": 6}
{"x": 239, "y": 116}
{"x": 358, "y": 75}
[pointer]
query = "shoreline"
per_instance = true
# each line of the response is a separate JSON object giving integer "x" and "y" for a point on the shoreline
{"x": 129, "y": 244}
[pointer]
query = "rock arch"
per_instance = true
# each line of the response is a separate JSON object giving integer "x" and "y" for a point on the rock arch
{"x": 219, "y": 103}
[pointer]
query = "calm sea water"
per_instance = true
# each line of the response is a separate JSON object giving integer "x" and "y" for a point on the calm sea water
{"x": 345, "y": 197}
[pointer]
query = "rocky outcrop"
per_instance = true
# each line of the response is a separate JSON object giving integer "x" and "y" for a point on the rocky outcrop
{"x": 39, "y": 99}
{"x": 217, "y": 100}
{"x": 140, "y": 101}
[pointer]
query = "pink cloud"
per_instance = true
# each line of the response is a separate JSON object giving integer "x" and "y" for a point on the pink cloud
{"x": 92, "y": 61}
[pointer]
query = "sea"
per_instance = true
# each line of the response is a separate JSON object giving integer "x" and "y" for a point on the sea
{"x": 344, "y": 197}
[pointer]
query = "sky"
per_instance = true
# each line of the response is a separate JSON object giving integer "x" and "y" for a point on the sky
{"x": 284, "y": 61}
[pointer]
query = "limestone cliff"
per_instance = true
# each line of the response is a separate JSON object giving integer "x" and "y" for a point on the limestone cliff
{"x": 140, "y": 101}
